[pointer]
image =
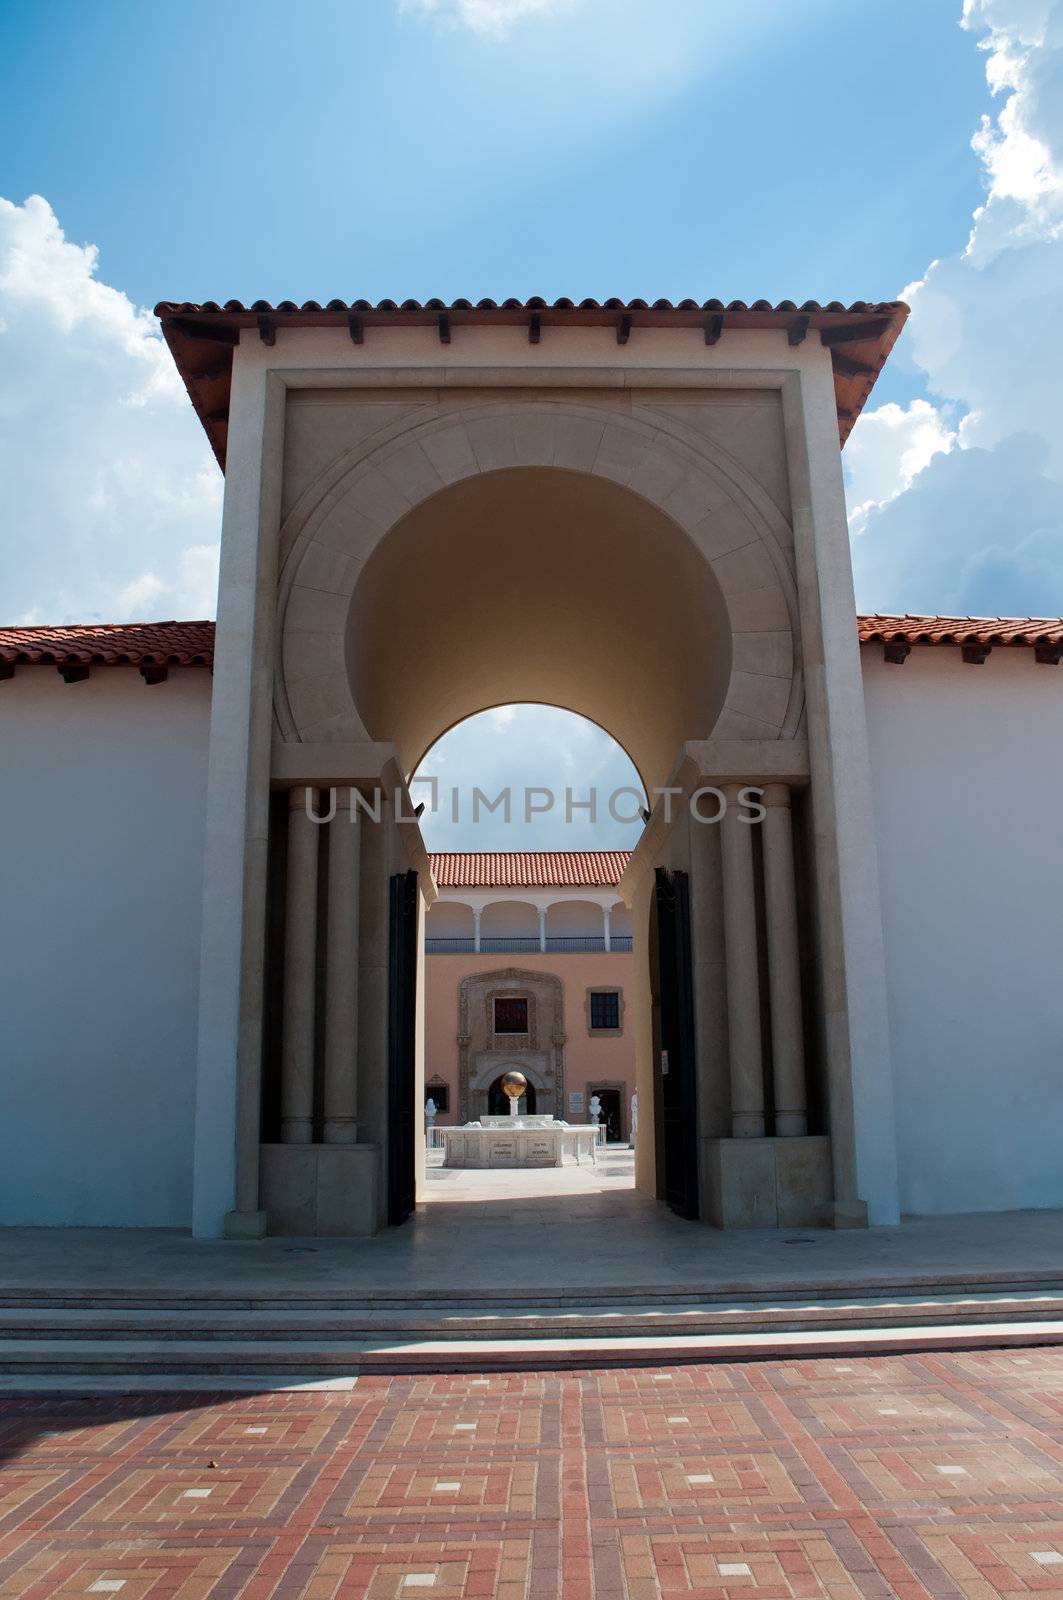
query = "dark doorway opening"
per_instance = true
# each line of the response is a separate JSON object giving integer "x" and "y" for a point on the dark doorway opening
{"x": 612, "y": 1113}
{"x": 675, "y": 1094}
{"x": 402, "y": 1031}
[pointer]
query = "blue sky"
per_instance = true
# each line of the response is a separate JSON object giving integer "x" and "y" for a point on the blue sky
{"x": 494, "y": 147}
{"x": 818, "y": 149}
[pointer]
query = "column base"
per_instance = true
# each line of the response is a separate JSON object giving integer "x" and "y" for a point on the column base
{"x": 791, "y": 1124}
{"x": 244, "y": 1225}
{"x": 845, "y": 1214}
{"x": 321, "y": 1190}
{"x": 297, "y": 1130}
{"x": 341, "y": 1130}
{"x": 747, "y": 1125}
{"x": 768, "y": 1183}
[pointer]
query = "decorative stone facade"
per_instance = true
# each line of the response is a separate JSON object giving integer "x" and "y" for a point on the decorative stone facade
{"x": 483, "y": 1054}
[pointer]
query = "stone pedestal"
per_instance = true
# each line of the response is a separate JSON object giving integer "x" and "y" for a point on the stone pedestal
{"x": 769, "y": 1183}
{"x": 320, "y": 1190}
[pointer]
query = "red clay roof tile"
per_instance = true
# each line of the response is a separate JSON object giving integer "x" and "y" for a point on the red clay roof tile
{"x": 191, "y": 644}
{"x": 112, "y": 644}
{"x": 877, "y": 628}
{"x": 529, "y": 869}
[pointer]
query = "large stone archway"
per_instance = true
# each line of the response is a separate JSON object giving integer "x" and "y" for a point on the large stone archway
{"x": 642, "y": 577}
{"x": 664, "y": 527}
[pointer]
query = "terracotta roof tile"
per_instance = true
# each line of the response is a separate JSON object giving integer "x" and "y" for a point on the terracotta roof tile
{"x": 878, "y": 628}
{"x": 191, "y": 644}
{"x": 112, "y": 644}
{"x": 203, "y": 334}
{"x": 529, "y": 869}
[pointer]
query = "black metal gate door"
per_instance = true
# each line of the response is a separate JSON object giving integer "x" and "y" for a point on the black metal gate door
{"x": 677, "y": 1095}
{"x": 402, "y": 1025}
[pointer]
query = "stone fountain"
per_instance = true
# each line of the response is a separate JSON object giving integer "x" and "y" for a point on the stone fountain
{"x": 518, "y": 1141}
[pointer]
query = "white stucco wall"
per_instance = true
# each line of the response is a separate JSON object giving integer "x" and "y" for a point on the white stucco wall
{"x": 102, "y": 788}
{"x": 967, "y": 769}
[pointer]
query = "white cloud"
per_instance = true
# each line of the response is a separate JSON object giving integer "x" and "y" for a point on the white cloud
{"x": 112, "y": 501}
{"x": 491, "y": 18}
{"x": 888, "y": 451}
{"x": 531, "y": 746}
{"x": 986, "y": 330}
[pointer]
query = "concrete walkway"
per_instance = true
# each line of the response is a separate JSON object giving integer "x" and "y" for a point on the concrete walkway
{"x": 590, "y": 1236}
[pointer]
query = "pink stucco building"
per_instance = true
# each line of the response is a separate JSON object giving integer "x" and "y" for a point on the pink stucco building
{"x": 529, "y": 965}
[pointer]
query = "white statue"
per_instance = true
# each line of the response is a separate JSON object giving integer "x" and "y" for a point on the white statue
{"x": 431, "y": 1111}
{"x": 634, "y": 1118}
{"x": 595, "y": 1109}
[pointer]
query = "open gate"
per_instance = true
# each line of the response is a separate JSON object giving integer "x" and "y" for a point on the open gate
{"x": 402, "y": 1028}
{"x": 675, "y": 1082}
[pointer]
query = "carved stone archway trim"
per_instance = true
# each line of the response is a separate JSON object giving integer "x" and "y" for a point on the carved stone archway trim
{"x": 338, "y": 522}
{"x": 546, "y": 1037}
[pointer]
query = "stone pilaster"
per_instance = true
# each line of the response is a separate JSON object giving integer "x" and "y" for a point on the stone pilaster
{"x": 784, "y": 969}
{"x": 300, "y": 956}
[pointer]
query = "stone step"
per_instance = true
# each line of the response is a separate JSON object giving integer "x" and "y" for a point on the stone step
{"x": 472, "y": 1322}
{"x": 518, "y": 1302}
{"x": 281, "y": 1360}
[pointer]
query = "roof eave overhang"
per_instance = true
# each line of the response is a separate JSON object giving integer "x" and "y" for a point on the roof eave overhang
{"x": 203, "y": 337}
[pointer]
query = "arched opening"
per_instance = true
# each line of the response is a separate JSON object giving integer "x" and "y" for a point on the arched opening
{"x": 661, "y": 614}
{"x": 545, "y": 585}
{"x": 543, "y": 986}
{"x": 544, "y": 592}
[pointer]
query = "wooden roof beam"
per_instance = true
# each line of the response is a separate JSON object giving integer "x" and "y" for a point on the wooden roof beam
{"x": 220, "y": 369}
{"x": 72, "y": 671}
{"x": 443, "y": 326}
{"x": 623, "y": 329}
{"x": 797, "y": 330}
{"x": 848, "y": 367}
{"x": 211, "y": 332}
{"x": 713, "y": 328}
{"x": 975, "y": 654}
{"x": 535, "y": 328}
{"x": 896, "y": 651}
{"x": 850, "y": 332}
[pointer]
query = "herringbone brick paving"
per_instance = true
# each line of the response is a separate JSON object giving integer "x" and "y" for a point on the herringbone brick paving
{"x": 923, "y": 1477}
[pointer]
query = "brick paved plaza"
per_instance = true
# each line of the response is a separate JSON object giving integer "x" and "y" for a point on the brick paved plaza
{"x": 922, "y": 1476}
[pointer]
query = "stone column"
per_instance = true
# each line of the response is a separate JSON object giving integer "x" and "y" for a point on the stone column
{"x": 476, "y": 929}
{"x": 300, "y": 958}
{"x": 341, "y": 975}
{"x": 606, "y": 913}
{"x": 784, "y": 971}
{"x": 743, "y": 987}
{"x": 542, "y": 928}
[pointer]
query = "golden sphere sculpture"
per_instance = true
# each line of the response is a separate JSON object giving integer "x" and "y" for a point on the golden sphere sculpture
{"x": 514, "y": 1084}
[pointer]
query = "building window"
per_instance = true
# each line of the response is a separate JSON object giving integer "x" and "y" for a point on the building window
{"x": 605, "y": 1012}
{"x": 511, "y": 1016}
{"x": 439, "y": 1093}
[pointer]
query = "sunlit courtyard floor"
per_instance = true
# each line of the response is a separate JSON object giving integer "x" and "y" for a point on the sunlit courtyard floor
{"x": 613, "y": 1171}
